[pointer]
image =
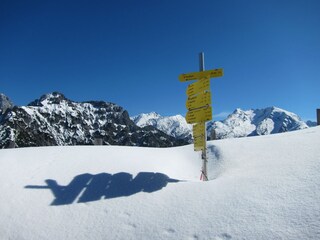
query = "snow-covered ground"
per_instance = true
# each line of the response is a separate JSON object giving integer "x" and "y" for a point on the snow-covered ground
{"x": 265, "y": 187}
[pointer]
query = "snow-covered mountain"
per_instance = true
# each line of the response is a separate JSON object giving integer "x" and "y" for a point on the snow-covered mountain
{"x": 55, "y": 120}
{"x": 256, "y": 122}
{"x": 240, "y": 123}
{"x": 175, "y": 126}
{"x": 5, "y": 103}
{"x": 311, "y": 123}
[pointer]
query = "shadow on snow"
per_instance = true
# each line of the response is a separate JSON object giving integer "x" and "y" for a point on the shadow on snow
{"x": 87, "y": 187}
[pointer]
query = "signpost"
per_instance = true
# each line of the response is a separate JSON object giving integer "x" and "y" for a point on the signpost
{"x": 197, "y": 75}
{"x": 199, "y": 143}
{"x": 199, "y": 134}
{"x": 199, "y": 107}
{"x": 199, "y": 115}
{"x": 199, "y": 86}
{"x": 198, "y": 129}
{"x": 198, "y": 101}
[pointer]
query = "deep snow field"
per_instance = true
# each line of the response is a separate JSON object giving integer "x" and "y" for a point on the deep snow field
{"x": 265, "y": 187}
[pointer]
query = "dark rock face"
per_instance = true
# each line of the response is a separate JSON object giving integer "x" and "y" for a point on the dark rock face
{"x": 5, "y": 103}
{"x": 55, "y": 120}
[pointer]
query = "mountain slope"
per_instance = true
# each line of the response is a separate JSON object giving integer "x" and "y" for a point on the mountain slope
{"x": 311, "y": 123}
{"x": 257, "y": 122}
{"x": 55, "y": 120}
{"x": 240, "y": 123}
{"x": 5, "y": 103}
{"x": 264, "y": 187}
{"x": 175, "y": 126}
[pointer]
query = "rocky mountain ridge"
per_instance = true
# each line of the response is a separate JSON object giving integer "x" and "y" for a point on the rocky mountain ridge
{"x": 55, "y": 120}
{"x": 175, "y": 126}
{"x": 5, "y": 103}
{"x": 255, "y": 122}
{"x": 240, "y": 123}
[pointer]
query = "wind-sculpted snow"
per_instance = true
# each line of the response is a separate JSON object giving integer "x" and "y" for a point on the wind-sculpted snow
{"x": 55, "y": 120}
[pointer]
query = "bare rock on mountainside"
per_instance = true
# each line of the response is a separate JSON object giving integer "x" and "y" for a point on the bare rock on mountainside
{"x": 175, "y": 126}
{"x": 255, "y": 122}
{"x": 5, "y": 103}
{"x": 240, "y": 123}
{"x": 55, "y": 120}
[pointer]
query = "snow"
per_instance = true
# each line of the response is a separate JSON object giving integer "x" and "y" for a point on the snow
{"x": 241, "y": 123}
{"x": 264, "y": 187}
{"x": 175, "y": 126}
{"x": 257, "y": 122}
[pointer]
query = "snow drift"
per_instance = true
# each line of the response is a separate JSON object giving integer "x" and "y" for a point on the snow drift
{"x": 264, "y": 187}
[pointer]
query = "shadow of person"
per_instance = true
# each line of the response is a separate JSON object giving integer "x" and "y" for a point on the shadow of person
{"x": 87, "y": 187}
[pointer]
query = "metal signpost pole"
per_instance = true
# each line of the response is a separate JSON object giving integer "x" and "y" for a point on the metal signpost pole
{"x": 204, "y": 151}
{"x": 199, "y": 107}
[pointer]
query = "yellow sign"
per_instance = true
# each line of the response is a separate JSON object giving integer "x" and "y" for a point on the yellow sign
{"x": 199, "y": 115}
{"x": 199, "y": 143}
{"x": 197, "y": 75}
{"x": 198, "y": 129}
{"x": 198, "y": 86}
{"x": 198, "y": 101}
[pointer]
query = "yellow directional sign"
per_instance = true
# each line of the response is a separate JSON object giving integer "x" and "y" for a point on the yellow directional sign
{"x": 198, "y": 101}
{"x": 199, "y": 143}
{"x": 198, "y": 86}
{"x": 199, "y": 115}
{"x": 197, "y": 75}
{"x": 198, "y": 129}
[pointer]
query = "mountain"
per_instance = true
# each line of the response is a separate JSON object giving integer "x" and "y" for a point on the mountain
{"x": 55, "y": 120}
{"x": 256, "y": 122}
{"x": 311, "y": 123}
{"x": 240, "y": 123}
{"x": 175, "y": 126}
{"x": 5, "y": 103}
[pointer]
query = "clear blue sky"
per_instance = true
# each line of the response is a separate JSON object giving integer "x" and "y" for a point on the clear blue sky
{"x": 132, "y": 52}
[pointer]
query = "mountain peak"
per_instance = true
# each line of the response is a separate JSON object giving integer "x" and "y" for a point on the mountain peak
{"x": 49, "y": 98}
{"x": 5, "y": 103}
{"x": 55, "y": 120}
{"x": 175, "y": 126}
{"x": 257, "y": 122}
{"x": 151, "y": 115}
{"x": 143, "y": 119}
{"x": 240, "y": 123}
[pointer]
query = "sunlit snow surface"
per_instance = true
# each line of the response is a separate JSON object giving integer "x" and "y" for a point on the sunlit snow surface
{"x": 264, "y": 187}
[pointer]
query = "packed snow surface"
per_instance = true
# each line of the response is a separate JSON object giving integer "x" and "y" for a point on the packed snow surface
{"x": 264, "y": 187}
